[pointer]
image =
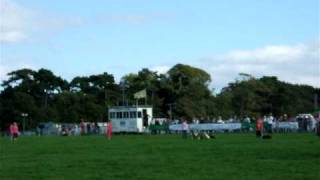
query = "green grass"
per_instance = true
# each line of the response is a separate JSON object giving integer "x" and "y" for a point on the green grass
{"x": 230, "y": 156}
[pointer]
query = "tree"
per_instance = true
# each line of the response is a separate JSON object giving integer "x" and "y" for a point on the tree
{"x": 189, "y": 86}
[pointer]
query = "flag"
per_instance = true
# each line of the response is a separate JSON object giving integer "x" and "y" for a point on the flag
{"x": 140, "y": 94}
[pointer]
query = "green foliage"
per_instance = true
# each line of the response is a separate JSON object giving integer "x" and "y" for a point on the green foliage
{"x": 189, "y": 91}
{"x": 266, "y": 95}
{"x": 46, "y": 97}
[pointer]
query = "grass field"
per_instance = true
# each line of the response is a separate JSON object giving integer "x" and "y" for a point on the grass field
{"x": 230, "y": 156}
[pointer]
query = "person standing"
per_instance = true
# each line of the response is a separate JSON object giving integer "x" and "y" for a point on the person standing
{"x": 270, "y": 120}
{"x": 259, "y": 127}
{"x": 185, "y": 128}
{"x": 97, "y": 128}
{"x": 109, "y": 130}
{"x": 14, "y": 132}
{"x": 82, "y": 127}
{"x": 88, "y": 128}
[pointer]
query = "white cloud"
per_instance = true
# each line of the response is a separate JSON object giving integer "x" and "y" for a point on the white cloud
{"x": 298, "y": 63}
{"x": 13, "y": 21}
{"x": 18, "y": 23}
{"x": 162, "y": 69}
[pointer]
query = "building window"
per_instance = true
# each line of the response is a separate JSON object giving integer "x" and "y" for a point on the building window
{"x": 112, "y": 115}
{"x": 133, "y": 114}
{"x": 139, "y": 114}
{"x": 119, "y": 115}
{"x": 125, "y": 114}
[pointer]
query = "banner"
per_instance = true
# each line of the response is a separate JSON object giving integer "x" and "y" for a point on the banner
{"x": 288, "y": 125}
{"x": 208, "y": 126}
{"x": 230, "y": 126}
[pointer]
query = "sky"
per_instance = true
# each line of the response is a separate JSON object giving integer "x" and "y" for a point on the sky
{"x": 223, "y": 37}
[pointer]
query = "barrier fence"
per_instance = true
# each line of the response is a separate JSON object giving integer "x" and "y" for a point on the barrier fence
{"x": 230, "y": 127}
{"x": 74, "y": 129}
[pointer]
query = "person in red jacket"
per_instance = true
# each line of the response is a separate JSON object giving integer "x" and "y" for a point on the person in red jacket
{"x": 259, "y": 127}
{"x": 109, "y": 130}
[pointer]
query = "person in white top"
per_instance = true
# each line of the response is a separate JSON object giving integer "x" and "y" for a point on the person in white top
{"x": 270, "y": 123}
{"x": 185, "y": 128}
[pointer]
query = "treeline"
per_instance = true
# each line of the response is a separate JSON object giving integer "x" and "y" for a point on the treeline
{"x": 182, "y": 91}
